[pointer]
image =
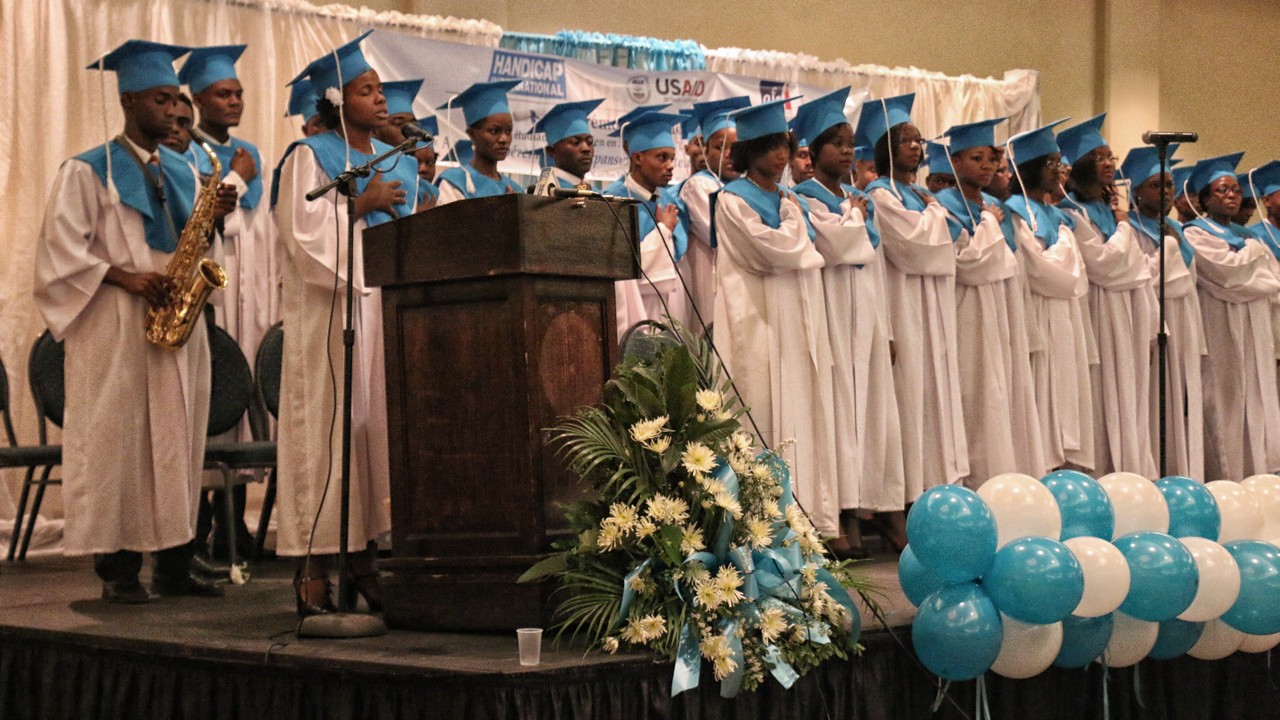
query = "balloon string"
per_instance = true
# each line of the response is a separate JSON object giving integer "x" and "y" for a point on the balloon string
{"x": 1106, "y": 697}
{"x": 942, "y": 693}
{"x": 1137, "y": 686}
{"x": 981, "y": 709}
{"x": 1271, "y": 679}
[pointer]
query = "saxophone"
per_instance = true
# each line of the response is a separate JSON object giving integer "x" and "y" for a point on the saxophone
{"x": 194, "y": 276}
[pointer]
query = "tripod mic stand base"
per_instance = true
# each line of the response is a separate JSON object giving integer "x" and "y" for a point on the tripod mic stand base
{"x": 341, "y": 625}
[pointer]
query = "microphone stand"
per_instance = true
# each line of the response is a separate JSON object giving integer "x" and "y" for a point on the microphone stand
{"x": 1162, "y": 335}
{"x": 346, "y": 623}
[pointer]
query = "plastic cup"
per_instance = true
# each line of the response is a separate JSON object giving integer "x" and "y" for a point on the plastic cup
{"x": 530, "y": 645}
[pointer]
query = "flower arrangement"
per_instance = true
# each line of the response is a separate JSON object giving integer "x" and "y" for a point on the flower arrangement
{"x": 692, "y": 545}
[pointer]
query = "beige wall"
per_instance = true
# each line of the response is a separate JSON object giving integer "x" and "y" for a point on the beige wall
{"x": 1174, "y": 64}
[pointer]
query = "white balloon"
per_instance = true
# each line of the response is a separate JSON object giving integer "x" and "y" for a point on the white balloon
{"x": 1266, "y": 490}
{"x": 1138, "y": 503}
{"x": 1022, "y": 507}
{"x": 1217, "y": 641}
{"x": 1219, "y": 580}
{"x": 1131, "y": 640}
{"x": 1241, "y": 518}
{"x": 1106, "y": 575}
{"x": 1259, "y": 643}
{"x": 1027, "y": 650}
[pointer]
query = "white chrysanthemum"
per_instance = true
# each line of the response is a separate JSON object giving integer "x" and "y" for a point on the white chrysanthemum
{"x": 334, "y": 96}
{"x": 738, "y": 464}
{"x": 773, "y": 622}
{"x": 637, "y": 583}
{"x": 716, "y": 649}
{"x": 797, "y": 520}
{"x": 646, "y": 430}
{"x": 740, "y": 442}
{"x": 610, "y": 645}
{"x": 663, "y": 509}
{"x": 799, "y": 634}
{"x": 770, "y": 509}
{"x": 658, "y": 445}
{"x": 729, "y": 503}
{"x": 727, "y": 582}
{"x": 724, "y": 414}
{"x": 811, "y": 543}
{"x": 610, "y": 536}
{"x": 707, "y": 595}
{"x": 714, "y": 487}
{"x": 651, "y": 627}
{"x": 624, "y": 515}
{"x": 761, "y": 471}
{"x": 759, "y": 533}
{"x": 691, "y": 540}
{"x": 645, "y": 528}
{"x": 709, "y": 400}
{"x": 698, "y": 459}
{"x": 810, "y": 574}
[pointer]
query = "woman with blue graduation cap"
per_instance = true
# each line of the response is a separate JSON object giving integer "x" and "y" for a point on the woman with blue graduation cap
{"x": 1264, "y": 184}
{"x": 1122, "y": 304}
{"x": 426, "y": 156}
{"x": 869, "y": 445}
{"x": 1058, "y": 330}
{"x": 718, "y": 130}
{"x": 1238, "y": 284}
{"x": 1185, "y": 393}
{"x": 489, "y": 127}
{"x": 941, "y": 175}
{"x": 302, "y": 103}
{"x": 920, "y": 277}
{"x": 770, "y": 318}
{"x": 1184, "y": 202}
{"x": 313, "y": 234}
{"x": 992, "y": 347}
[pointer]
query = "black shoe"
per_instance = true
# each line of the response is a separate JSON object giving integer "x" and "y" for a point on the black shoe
{"x": 126, "y": 591}
{"x": 203, "y": 566}
{"x": 850, "y": 553}
{"x": 189, "y": 584}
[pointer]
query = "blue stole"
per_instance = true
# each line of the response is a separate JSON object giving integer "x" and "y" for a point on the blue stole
{"x": 426, "y": 190}
{"x": 1006, "y": 225}
{"x": 331, "y": 152}
{"x": 1100, "y": 214}
{"x": 1269, "y": 235}
{"x": 253, "y": 194}
{"x": 137, "y": 192}
{"x": 1151, "y": 228}
{"x": 768, "y": 205}
{"x": 912, "y": 195}
{"x": 811, "y": 188}
{"x": 960, "y": 210}
{"x": 485, "y": 186}
{"x": 1048, "y": 218}
{"x": 679, "y": 236}
{"x": 1234, "y": 234}
{"x": 678, "y": 192}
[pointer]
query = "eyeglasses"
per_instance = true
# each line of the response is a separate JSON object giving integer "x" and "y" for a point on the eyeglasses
{"x": 912, "y": 141}
{"x": 1225, "y": 190}
{"x": 1054, "y": 164}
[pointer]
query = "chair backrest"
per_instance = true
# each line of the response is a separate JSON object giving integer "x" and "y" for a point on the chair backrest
{"x": 267, "y": 368}
{"x": 232, "y": 382}
{"x": 643, "y": 339}
{"x": 44, "y": 374}
{"x": 4, "y": 406}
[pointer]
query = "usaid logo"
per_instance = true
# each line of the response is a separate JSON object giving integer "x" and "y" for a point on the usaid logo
{"x": 543, "y": 76}
{"x": 638, "y": 89}
{"x": 770, "y": 91}
{"x": 680, "y": 87}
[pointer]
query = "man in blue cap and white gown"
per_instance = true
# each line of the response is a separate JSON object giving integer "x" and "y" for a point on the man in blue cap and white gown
{"x": 1238, "y": 285}
{"x": 570, "y": 146}
{"x": 134, "y": 430}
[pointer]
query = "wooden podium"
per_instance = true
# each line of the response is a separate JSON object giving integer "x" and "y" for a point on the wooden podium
{"x": 499, "y": 320}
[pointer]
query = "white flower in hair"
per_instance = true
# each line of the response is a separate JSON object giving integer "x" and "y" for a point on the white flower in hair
{"x": 334, "y": 96}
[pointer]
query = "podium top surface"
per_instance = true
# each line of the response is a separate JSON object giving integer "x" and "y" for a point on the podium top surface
{"x": 504, "y": 235}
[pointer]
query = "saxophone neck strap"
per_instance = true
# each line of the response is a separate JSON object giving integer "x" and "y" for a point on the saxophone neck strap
{"x": 156, "y": 181}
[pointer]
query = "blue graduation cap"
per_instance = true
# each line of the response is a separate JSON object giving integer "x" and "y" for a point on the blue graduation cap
{"x": 1032, "y": 144}
{"x": 1246, "y": 192}
{"x": 302, "y": 100}
{"x": 337, "y": 68}
{"x": 764, "y": 119}
{"x": 566, "y": 120}
{"x": 482, "y": 100}
{"x": 649, "y": 131}
{"x": 1180, "y": 177}
{"x": 816, "y": 116}
{"x": 713, "y": 116}
{"x": 1210, "y": 169}
{"x": 207, "y": 65}
{"x": 865, "y": 153}
{"x": 689, "y": 128}
{"x": 631, "y": 115}
{"x": 1263, "y": 180}
{"x": 1079, "y": 140}
{"x": 141, "y": 65}
{"x": 430, "y": 124}
{"x": 400, "y": 96}
{"x": 461, "y": 152}
{"x": 877, "y": 116}
{"x": 972, "y": 135}
{"x": 1143, "y": 162}
{"x": 936, "y": 156}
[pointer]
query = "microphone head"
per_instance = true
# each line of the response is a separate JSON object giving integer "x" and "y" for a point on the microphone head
{"x": 412, "y": 130}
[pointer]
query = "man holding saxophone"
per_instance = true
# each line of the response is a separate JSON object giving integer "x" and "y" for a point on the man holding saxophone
{"x": 136, "y": 413}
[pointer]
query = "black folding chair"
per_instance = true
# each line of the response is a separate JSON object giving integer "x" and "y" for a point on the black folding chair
{"x": 44, "y": 375}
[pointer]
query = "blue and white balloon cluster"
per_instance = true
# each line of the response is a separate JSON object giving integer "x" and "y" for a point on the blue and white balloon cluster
{"x": 1024, "y": 574}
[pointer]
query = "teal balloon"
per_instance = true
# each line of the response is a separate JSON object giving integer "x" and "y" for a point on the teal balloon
{"x": 1257, "y": 608}
{"x": 917, "y": 581}
{"x": 1036, "y": 580}
{"x": 1083, "y": 640}
{"x": 1086, "y": 509}
{"x": 957, "y": 632}
{"x": 1192, "y": 510}
{"x": 1162, "y": 576}
{"x": 953, "y": 533}
{"x": 1176, "y": 638}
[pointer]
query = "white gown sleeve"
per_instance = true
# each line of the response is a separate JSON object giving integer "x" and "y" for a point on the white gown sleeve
{"x": 760, "y": 249}
{"x": 843, "y": 238}
{"x": 449, "y": 194}
{"x": 917, "y": 243}
{"x": 307, "y": 228}
{"x": 68, "y": 271}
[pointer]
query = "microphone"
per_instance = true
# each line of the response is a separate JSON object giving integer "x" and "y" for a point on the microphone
{"x": 410, "y": 130}
{"x": 1156, "y": 137}
{"x": 546, "y": 181}
{"x": 559, "y": 192}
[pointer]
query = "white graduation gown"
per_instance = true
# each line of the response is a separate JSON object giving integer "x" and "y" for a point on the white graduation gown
{"x": 996, "y": 386}
{"x": 1124, "y": 317}
{"x": 868, "y": 446}
{"x": 1242, "y": 411}
{"x": 134, "y": 433}
{"x": 700, "y": 258}
{"x": 656, "y": 250}
{"x": 310, "y": 405}
{"x": 1184, "y": 395}
{"x": 1060, "y": 342}
{"x": 771, "y": 331}
{"x": 920, "y": 277}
